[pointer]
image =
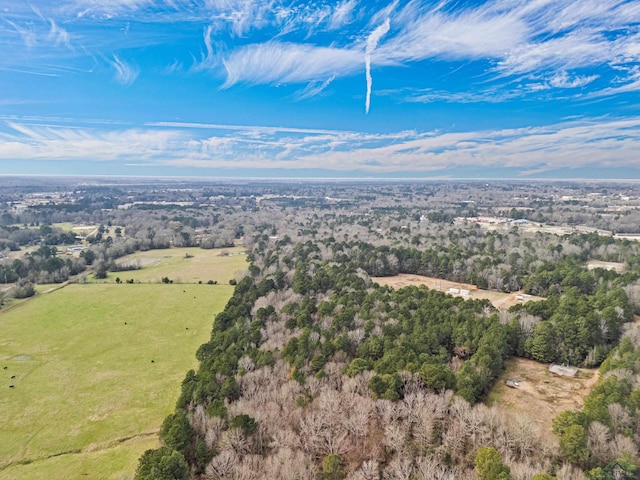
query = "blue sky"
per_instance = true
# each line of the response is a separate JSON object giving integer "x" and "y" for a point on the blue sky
{"x": 353, "y": 88}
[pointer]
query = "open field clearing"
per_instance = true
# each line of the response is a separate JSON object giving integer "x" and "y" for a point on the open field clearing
{"x": 631, "y": 236}
{"x": 90, "y": 391}
{"x": 84, "y": 230}
{"x": 541, "y": 395}
{"x": 115, "y": 463}
{"x": 183, "y": 265}
{"x": 20, "y": 253}
{"x": 497, "y": 299}
{"x": 618, "y": 267}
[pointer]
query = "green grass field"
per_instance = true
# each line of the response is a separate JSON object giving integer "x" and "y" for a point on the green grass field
{"x": 65, "y": 226}
{"x": 87, "y": 399}
{"x": 201, "y": 266}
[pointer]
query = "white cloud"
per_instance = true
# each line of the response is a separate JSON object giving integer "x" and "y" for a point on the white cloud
{"x": 384, "y": 13}
{"x": 372, "y": 43}
{"x": 64, "y": 143}
{"x": 106, "y": 8}
{"x": 246, "y": 128}
{"x": 125, "y": 74}
{"x": 314, "y": 88}
{"x": 276, "y": 62}
{"x": 28, "y": 35}
{"x": 564, "y": 80}
{"x": 478, "y": 33}
{"x": 29, "y": 72}
{"x": 241, "y": 16}
{"x": 542, "y": 38}
{"x": 342, "y": 14}
{"x": 575, "y": 50}
{"x": 208, "y": 59}
{"x": 629, "y": 82}
{"x": 59, "y": 35}
{"x": 609, "y": 143}
{"x": 561, "y": 44}
{"x": 600, "y": 143}
{"x": 491, "y": 95}
{"x": 566, "y": 15}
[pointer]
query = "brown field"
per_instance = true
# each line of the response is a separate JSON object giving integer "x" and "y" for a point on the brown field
{"x": 498, "y": 299}
{"x": 541, "y": 395}
{"x": 618, "y": 267}
{"x": 85, "y": 229}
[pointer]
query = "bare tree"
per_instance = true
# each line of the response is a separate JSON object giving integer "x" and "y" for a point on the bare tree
{"x": 399, "y": 468}
{"x": 623, "y": 445}
{"x": 424, "y": 428}
{"x": 245, "y": 363}
{"x": 317, "y": 436}
{"x": 569, "y": 472}
{"x": 289, "y": 464}
{"x": 427, "y": 468}
{"x": 234, "y": 440}
{"x": 284, "y": 438}
{"x": 358, "y": 413}
{"x": 396, "y": 437}
{"x": 215, "y": 427}
{"x": 199, "y": 419}
{"x": 249, "y": 468}
{"x": 525, "y": 436}
{"x": 222, "y": 465}
{"x": 620, "y": 418}
{"x": 369, "y": 470}
{"x": 599, "y": 439}
{"x": 453, "y": 442}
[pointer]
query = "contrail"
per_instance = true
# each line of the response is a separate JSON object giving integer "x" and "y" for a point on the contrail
{"x": 372, "y": 43}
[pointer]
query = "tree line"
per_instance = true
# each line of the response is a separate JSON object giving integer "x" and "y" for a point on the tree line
{"x": 314, "y": 371}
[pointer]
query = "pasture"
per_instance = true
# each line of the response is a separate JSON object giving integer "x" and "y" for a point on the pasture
{"x": 183, "y": 265}
{"x": 95, "y": 368}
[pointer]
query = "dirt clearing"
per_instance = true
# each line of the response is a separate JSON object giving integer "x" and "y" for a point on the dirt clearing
{"x": 618, "y": 267}
{"x": 498, "y": 299}
{"x": 541, "y": 394}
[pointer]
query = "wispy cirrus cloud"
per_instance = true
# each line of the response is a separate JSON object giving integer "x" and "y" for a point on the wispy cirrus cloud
{"x": 480, "y": 32}
{"x": 314, "y": 88}
{"x": 125, "y": 73}
{"x": 557, "y": 45}
{"x": 630, "y": 82}
{"x": 107, "y": 8}
{"x": 59, "y": 35}
{"x": 601, "y": 143}
{"x": 241, "y": 16}
{"x": 277, "y": 62}
{"x": 59, "y": 143}
{"x": 576, "y": 50}
{"x": 514, "y": 39}
{"x": 342, "y": 14}
{"x": 533, "y": 87}
{"x": 490, "y": 95}
{"x": 564, "y": 80}
{"x": 26, "y": 33}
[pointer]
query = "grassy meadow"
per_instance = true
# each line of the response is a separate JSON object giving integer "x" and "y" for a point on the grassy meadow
{"x": 183, "y": 265}
{"x": 89, "y": 391}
